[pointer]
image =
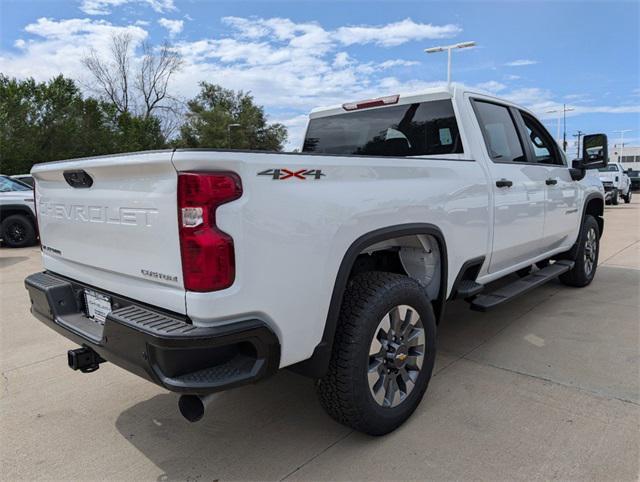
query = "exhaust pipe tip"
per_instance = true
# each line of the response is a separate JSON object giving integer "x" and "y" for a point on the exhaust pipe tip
{"x": 191, "y": 407}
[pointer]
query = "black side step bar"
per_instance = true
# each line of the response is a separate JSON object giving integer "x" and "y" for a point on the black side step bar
{"x": 485, "y": 302}
{"x": 468, "y": 288}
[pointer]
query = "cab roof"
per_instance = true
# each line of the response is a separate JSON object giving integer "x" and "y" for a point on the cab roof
{"x": 435, "y": 93}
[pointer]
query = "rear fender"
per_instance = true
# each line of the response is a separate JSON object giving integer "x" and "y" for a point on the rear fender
{"x": 316, "y": 366}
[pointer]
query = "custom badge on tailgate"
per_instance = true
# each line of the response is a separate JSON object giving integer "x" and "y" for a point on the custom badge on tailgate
{"x": 284, "y": 174}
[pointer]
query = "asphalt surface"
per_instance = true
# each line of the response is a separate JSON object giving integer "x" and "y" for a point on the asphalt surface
{"x": 547, "y": 387}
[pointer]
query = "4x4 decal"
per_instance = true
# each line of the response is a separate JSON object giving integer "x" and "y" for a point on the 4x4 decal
{"x": 284, "y": 174}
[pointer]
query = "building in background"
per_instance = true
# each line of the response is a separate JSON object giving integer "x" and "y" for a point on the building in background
{"x": 630, "y": 156}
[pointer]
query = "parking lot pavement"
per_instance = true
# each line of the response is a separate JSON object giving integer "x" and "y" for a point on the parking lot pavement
{"x": 547, "y": 387}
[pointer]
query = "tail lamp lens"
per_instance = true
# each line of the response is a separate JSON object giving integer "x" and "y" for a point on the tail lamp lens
{"x": 208, "y": 258}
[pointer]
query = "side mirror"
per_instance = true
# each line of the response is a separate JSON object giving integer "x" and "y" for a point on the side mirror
{"x": 594, "y": 151}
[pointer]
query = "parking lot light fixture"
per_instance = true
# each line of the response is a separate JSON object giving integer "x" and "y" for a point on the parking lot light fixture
{"x": 562, "y": 111}
{"x": 621, "y": 132}
{"x": 448, "y": 49}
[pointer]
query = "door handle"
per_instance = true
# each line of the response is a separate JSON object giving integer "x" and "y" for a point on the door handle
{"x": 551, "y": 182}
{"x": 504, "y": 183}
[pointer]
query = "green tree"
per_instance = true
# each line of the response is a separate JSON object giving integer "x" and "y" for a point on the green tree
{"x": 222, "y": 118}
{"x": 50, "y": 121}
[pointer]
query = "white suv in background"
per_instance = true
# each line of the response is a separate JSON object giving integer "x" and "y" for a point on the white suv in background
{"x": 17, "y": 213}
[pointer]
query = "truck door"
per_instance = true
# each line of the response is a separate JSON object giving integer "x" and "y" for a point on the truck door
{"x": 562, "y": 194}
{"x": 518, "y": 187}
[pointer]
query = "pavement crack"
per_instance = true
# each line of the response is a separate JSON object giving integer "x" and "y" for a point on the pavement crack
{"x": 311, "y": 459}
{"x": 32, "y": 363}
{"x": 6, "y": 383}
{"x": 555, "y": 382}
{"x": 618, "y": 252}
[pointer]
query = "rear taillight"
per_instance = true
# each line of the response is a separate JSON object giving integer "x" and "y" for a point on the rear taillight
{"x": 208, "y": 260}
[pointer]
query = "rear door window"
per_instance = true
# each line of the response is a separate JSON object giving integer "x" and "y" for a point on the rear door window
{"x": 427, "y": 128}
{"x": 499, "y": 132}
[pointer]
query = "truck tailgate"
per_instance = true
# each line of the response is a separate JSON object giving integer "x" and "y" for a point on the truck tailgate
{"x": 121, "y": 233}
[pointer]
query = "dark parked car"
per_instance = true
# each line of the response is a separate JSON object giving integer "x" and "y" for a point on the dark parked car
{"x": 634, "y": 177}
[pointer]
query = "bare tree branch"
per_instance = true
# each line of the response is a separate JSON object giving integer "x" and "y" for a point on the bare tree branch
{"x": 145, "y": 92}
{"x": 154, "y": 75}
{"x": 112, "y": 75}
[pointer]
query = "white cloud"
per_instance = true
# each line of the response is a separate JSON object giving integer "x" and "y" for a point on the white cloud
{"x": 542, "y": 101}
{"x": 174, "y": 27}
{"x": 342, "y": 59}
{"x": 388, "y": 64}
{"x": 394, "y": 34}
{"x": 288, "y": 67}
{"x": 104, "y": 7}
{"x": 309, "y": 33}
{"x": 491, "y": 86}
{"x": 59, "y": 45}
{"x": 521, "y": 62}
{"x": 296, "y": 126}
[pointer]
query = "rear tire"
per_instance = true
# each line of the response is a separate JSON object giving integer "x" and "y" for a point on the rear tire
{"x": 18, "y": 231}
{"x": 383, "y": 353}
{"x": 627, "y": 198}
{"x": 586, "y": 255}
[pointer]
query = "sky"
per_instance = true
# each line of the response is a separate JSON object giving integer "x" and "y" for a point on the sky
{"x": 296, "y": 55}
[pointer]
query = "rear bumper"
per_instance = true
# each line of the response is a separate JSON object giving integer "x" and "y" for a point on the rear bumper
{"x": 155, "y": 345}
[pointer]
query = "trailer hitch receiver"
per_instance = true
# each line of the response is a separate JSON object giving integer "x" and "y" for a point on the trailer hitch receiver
{"x": 84, "y": 359}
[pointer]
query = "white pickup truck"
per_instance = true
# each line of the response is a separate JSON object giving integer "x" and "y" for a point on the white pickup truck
{"x": 202, "y": 269}
{"x": 616, "y": 184}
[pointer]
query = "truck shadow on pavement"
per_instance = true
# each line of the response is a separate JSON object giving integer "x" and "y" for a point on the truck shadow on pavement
{"x": 269, "y": 430}
{"x": 253, "y": 432}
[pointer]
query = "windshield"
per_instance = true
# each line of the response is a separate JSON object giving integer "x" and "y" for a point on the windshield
{"x": 427, "y": 128}
{"x": 611, "y": 168}
{"x": 8, "y": 185}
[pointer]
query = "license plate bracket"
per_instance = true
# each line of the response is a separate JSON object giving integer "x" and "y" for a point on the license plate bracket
{"x": 98, "y": 305}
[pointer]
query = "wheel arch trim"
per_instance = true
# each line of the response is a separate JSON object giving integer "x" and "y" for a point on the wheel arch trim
{"x": 316, "y": 365}
{"x": 11, "y": 209}
{"x": 600, "y": 219}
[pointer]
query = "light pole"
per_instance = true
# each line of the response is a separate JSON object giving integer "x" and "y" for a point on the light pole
{"x": 621, "y": 132}
{"x": 449, "y": 48}
{"x": 578, "y": 135}
{"x": 564, "y": 111}
{"x": 229, "y": 133}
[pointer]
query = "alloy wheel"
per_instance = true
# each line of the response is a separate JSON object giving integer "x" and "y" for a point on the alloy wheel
{"x": 590, "y": 251}
{"x": 16, "y": 233}
{"x": 396, "y": 356}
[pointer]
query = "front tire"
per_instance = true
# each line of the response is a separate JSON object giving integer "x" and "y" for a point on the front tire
{"x": 383, "y": 353}
{"x": 627, "y": 198}
{"x": 18, "y": 231}
{"x": 586, "y": 255}
{"x": 614, "y": 197}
